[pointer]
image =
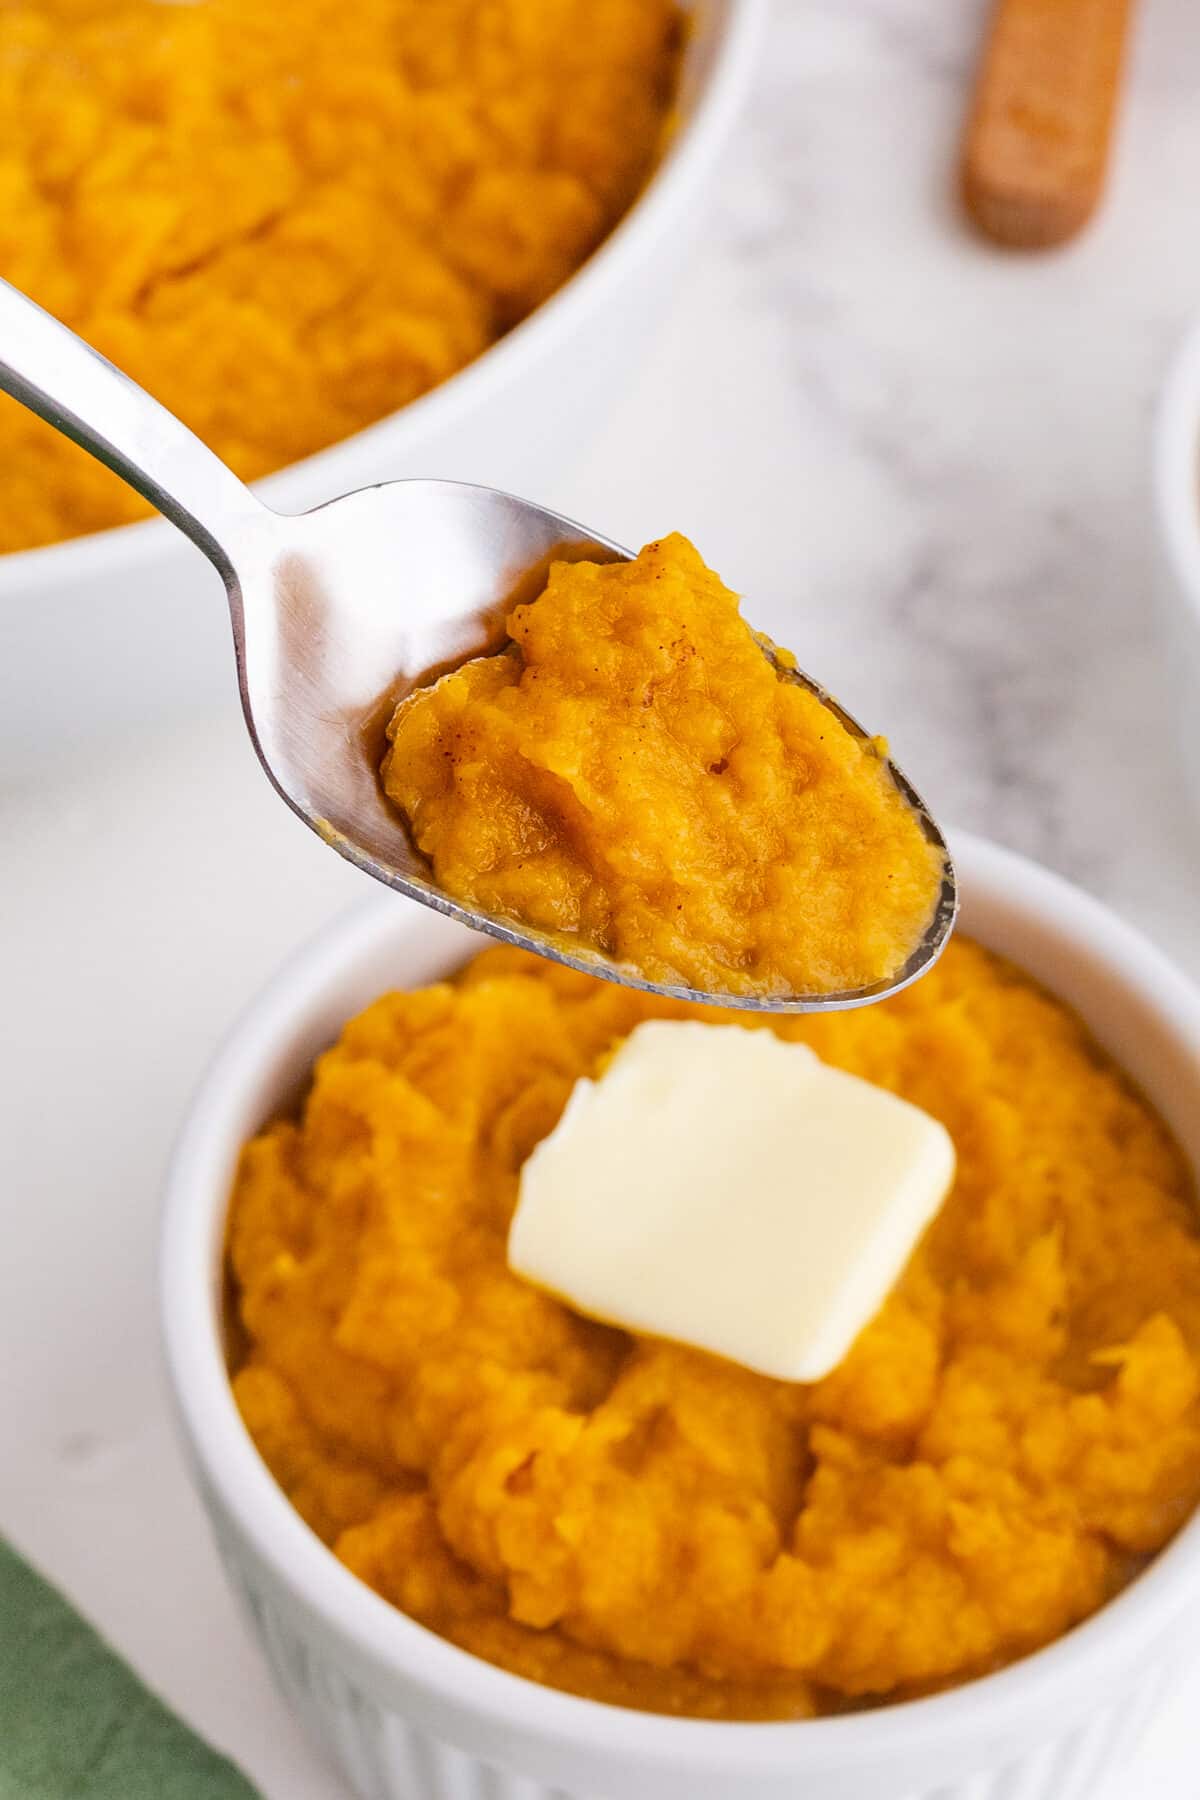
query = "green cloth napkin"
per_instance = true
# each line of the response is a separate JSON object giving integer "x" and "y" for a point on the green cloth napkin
{"x": 76, "y": 1723}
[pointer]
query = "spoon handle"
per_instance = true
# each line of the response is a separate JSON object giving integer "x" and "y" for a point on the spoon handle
{"x": 1046, "y": 100}
{"x": 72, "y": 387}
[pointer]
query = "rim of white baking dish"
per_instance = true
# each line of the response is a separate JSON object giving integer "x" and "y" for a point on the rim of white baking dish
{"x": 630, "y": 242}
{"x": 1176, "y": 464}
{"x": 439, "y": 1670}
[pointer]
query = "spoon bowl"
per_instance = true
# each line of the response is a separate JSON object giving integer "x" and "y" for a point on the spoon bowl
{"x": 338, "y": 613}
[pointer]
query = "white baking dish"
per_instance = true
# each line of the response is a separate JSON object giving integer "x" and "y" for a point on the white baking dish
{"x": 1176, "y": 476}
{"x": 102, "y": 635}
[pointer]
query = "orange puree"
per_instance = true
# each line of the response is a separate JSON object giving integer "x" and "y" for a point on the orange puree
{"x": 1015, "y": 1430}
{"x": 634, "y": 773}
{"x": 286, "y": 218}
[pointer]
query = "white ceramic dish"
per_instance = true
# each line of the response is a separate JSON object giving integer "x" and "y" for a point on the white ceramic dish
{"x": 1176, "y": 473}
{"x": 410, "y": 1717}
{"x": 102, "y": 634}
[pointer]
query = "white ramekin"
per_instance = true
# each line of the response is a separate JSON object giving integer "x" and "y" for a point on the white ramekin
{"x": 108, "y": 632}
{"x": 406, "y": 1714}
{"x": 1176, "y": 479}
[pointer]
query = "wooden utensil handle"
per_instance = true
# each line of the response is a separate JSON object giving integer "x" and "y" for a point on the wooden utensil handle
{"x": 1041, "y": 124}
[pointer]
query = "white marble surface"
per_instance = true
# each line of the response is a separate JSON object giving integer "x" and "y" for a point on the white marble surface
{"x": 924, "y": 460}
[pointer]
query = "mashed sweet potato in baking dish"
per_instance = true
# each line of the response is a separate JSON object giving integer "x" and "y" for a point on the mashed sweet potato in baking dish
{"x": 286, "y": 218}
{"x": 1013, "y": 1433}
{"x": 632, "y": 773}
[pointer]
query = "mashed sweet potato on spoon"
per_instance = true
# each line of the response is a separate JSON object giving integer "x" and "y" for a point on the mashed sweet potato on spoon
{"x": 633, "y": 773}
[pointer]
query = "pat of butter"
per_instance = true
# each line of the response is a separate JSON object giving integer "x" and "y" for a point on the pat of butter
{"x": 726, "y": 1189}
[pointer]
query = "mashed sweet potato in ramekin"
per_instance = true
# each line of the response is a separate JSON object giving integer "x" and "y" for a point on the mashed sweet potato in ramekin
{"x": 1012, "y": 1435}
{"x": 287, "y": 219}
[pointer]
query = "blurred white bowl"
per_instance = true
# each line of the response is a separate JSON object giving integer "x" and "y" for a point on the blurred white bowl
{"x": 411, "y": 1717}
{"x": 1176, "y": 472}
{"x": 103, "y": 634}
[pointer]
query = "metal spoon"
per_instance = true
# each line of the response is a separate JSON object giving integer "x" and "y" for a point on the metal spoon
{"x": 338, "y": 612}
